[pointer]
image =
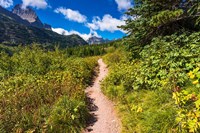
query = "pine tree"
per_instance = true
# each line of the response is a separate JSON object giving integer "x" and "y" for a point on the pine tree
{"x": 152, "y": 18}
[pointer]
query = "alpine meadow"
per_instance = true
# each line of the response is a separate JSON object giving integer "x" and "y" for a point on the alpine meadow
{"x": 149, "y": 79}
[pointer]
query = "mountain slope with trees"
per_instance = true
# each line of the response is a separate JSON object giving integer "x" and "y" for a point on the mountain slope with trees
{"x": 15, "y": 31}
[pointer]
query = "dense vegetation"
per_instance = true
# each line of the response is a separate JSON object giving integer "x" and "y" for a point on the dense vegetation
{"x": 43, "y": 91}
{"x": 91, "y": 50}
{"x": 149, "y": 19}
{"x": 155, "y": 78}
{"x": 143, "y": 87}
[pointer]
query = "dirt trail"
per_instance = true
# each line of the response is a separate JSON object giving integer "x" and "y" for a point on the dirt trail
{"x": 104, "y": 116}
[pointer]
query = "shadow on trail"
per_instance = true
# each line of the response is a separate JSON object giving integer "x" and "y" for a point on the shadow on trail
{"x": 103, "y": 118}
{"x": 92, "y": 108}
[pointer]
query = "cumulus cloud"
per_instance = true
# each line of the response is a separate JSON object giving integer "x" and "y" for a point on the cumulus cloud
{"x": 6, "y": 3}
{"x": 72, "y": 15}
{"x": 107, "y": 23}
{"x": 123, "y": 4}
{"x": 40, "y": 4}
{"x": 83, "y": 35}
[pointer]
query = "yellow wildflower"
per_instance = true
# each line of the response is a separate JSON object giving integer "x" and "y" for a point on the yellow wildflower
{"x": 190, "y": 73}
{"x": 139, "y": 110}
{"x": 195, "y": 82}
{"x": 192, "y": 76}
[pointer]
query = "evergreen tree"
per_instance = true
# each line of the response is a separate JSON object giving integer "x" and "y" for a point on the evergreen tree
{"x": 152, "y": 18}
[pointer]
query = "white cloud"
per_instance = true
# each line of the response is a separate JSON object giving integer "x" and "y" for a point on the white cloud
{"x": 123, "y": 4}
{"x": 107, "y": 23}
{"x": 40, "y": 4}
{"x": 83, "y": 35}
{"x": 126, "y": 17}
{"x": 72, "y": 15}
{"x": 6, "y": 3}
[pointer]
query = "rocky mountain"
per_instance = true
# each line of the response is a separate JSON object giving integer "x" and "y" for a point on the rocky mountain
{"x": 13, "y": 16}
{"x": 15, "y": 31}
{"x": 28, "y": 14}
{"x": 97, "y": 40}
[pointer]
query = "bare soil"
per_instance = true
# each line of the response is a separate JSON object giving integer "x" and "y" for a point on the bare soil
{"x": 104, "y": 118}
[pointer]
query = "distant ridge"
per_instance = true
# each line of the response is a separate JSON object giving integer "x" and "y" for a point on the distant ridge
{"x": 14, "y": 31}
{"x": 97, "y": 40}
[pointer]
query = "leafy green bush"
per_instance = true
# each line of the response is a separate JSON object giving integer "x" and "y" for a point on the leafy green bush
{"x": 143, "y": 87}
{"x": 37, "y": 87}
{"x": 67, "y": 116}
{"x": 188, "y": 104}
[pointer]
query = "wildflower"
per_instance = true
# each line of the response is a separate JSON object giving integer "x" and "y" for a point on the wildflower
{"x": 195, "y": 82}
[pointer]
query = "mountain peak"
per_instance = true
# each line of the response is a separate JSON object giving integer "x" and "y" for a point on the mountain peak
{"x": 97, "y": 40}
{"x": 29, "y": 15}
{"x": 25, "y": 13}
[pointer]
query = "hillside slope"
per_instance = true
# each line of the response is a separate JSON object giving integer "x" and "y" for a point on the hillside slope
{"x": 14, "y": 33}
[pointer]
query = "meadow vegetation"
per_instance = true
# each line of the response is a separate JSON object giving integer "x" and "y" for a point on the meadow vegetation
{"x": 43, "y": 91}
{"x": 154, "y": 76}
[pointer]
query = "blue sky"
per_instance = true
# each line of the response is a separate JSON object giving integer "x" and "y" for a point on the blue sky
{"x": 83, "y": 17}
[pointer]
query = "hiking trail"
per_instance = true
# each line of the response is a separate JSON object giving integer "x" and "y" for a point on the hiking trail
{"x": 104, "y": 118}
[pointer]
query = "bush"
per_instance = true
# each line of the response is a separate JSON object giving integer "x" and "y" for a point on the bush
{"x": 143, "y": 87}
{"x": 37, "y": 87}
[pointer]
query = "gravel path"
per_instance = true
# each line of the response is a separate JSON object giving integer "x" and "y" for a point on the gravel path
{"x": 104, "y": 118}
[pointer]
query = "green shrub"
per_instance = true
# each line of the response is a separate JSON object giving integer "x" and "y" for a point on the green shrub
{"x": 36, "y": 85}
{"x": 143, "y": 87}
{"x": 67, "y": 116}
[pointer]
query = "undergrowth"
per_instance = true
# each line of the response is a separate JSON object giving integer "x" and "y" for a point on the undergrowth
{"x": 143, "y": 87}
{"x": 43, "y": 91}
